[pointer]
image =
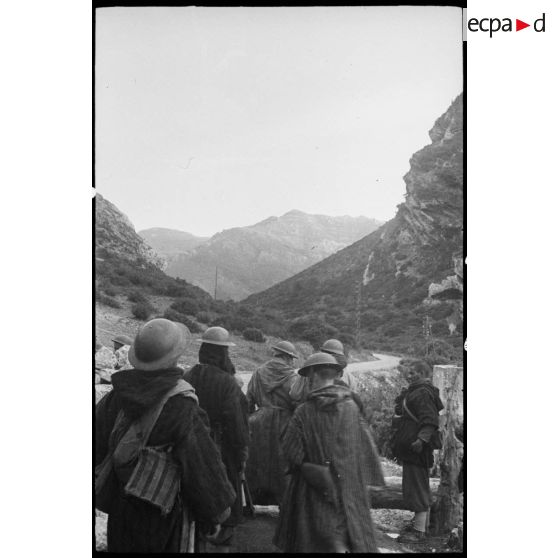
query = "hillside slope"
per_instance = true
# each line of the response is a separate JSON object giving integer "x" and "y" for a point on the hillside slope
{"x": 250, "y": 259}
{"x": 408, "y": 273}
{"x": 167, "y": 242}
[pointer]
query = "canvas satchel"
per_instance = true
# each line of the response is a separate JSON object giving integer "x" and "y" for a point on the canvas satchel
{"x": 320, "y": 478}
{"x": 149, "y": 473}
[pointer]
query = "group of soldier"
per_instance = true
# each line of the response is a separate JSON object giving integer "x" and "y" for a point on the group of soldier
{"x": 203, "y": 452}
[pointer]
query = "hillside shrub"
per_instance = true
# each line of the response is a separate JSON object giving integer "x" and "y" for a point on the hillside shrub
{"x": 439, "y": 351}
{"x": 378, "y": 396}
{"x": 394, "y": 330}
{"x": 232, "y": 322}
{"x": 136, "y": 296}
{"x": 108, "y": 300}
{"x": 205, "y": 317}
{"x": 245, "y": 311}
{"x": 347, "y": 339}
{"x": 172, "y": 290}
{"x": 186, "y": 306}
{"x": 110, "y": 291}
{"x": 311, "y": 329}
{"x": 136, "y": 277}
{"x": 142, "y": 310}
{"x": 175, "y": 316}
{"x": 119, "y": 280}
{"x": 253, "y": 334}
{"x": 440, "y": 328}
{"x": 440, "y": 311}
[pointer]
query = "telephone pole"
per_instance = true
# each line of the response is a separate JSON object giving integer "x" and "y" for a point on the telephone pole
{"x": 427, "y": 332}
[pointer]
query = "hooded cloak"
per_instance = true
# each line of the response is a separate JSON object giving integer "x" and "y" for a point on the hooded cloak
{"x": 268, "y": 392}
{"x": 327, "y": 427}
{"x": 138, "y": 526}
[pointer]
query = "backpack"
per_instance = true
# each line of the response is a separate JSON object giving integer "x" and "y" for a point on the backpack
{"x": 435, "y": 439}
{"x": 149, "y": 473}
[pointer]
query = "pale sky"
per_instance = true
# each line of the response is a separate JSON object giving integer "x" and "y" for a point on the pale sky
{"x": 211, "y": 118}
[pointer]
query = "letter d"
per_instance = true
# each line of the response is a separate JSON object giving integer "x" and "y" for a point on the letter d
{"x": 541, "y": 30}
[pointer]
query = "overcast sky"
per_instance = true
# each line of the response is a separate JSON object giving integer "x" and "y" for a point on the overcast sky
{"x": 211, "y": 118}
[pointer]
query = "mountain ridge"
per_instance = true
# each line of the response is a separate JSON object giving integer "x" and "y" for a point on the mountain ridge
{"x": 166, "y": 241}
{"x": 249, "y": 259}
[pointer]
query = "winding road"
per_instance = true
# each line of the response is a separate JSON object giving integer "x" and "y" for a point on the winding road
{"x": 384, "y": 362}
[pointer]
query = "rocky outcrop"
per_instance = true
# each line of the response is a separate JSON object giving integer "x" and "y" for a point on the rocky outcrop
{"x": 250, "y": 259}
{"x": 386, "y": 276}
{"x": 115, "y": 233}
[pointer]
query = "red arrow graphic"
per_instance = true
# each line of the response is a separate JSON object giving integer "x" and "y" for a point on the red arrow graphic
{"x": 519, "y": 25}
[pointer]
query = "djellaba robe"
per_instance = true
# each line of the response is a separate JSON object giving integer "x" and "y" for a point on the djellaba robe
{"x": 270, "y": 407}
{"x": 298, "y": 393}
{"x": 423, "y": 401}
{"x": 133, "y": 524}
{"x": 225, "y": 404}
{"x": 327, "y": 427}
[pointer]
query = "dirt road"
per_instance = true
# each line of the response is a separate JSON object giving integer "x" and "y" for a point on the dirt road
{"x": 384, "y": 363}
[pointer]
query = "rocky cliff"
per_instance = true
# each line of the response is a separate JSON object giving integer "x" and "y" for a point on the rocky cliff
{"x": 128, "y": 272}
{"x": 392, "y": 280}
{"x": 115, "y": 234}
{"x": 250, "y": 259}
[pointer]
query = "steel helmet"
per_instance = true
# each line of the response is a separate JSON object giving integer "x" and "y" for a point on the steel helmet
{"x": 285, "y": 347}
{"x": 158, "y": 344}
{"x": 217, "y": 336}
{"x": 318, "y": 359}
{"x": 333, "y": 346}
{"x": 123, "y": 340}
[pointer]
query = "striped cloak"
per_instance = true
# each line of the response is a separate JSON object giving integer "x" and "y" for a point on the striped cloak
{"x": 135, "y": 525}
{"x": 327, "y": 427}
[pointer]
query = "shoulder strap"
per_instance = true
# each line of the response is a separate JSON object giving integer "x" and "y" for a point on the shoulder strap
{"x": 148, "y": 420}
{"x": 114, "y": 438}
{"x": 408, "y": 411}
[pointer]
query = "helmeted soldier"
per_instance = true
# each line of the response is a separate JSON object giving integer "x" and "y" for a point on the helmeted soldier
{"x": 270, "y": 407}
{"x": 222, "y": 399}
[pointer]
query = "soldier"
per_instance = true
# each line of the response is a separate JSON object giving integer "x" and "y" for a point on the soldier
{"x": 270, "y": 408}
{"x": 136, "y": 523}
{"x": 325, "y": 508}
{"x": 417, "y": 408}
{"x": 222, "y": 399}
{"x": 335, "y": 347}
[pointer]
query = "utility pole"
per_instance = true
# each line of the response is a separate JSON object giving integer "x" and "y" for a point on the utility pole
{"x": 215, "y": 295}
{"x": 427, "y": 332}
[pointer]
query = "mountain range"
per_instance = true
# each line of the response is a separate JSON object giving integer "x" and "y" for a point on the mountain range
{"x": 403, "y": 282}
{"x": 250, "y": 259}
{"x": 169, "y": 242}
